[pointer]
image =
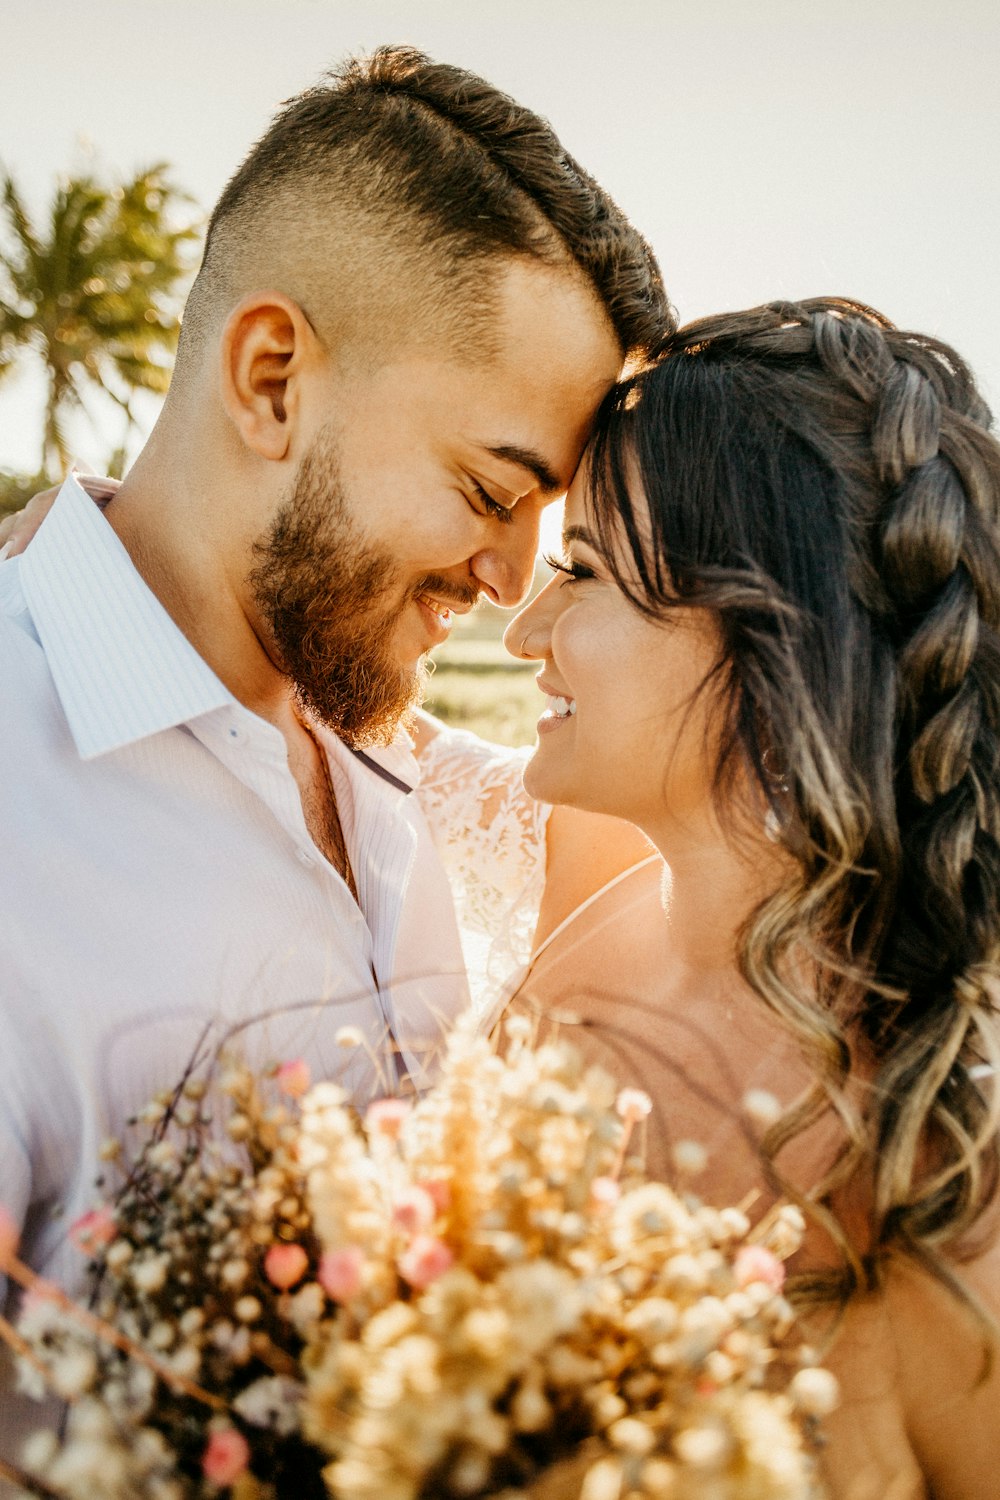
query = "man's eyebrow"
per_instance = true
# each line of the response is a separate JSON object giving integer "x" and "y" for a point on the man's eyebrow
{"x": 527, "y": 458}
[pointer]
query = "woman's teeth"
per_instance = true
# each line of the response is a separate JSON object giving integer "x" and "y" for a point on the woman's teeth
{"x": 560, "y": 708}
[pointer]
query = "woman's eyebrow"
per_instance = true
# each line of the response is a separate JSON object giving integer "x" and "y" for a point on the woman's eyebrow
{"x": 580, "y": 534}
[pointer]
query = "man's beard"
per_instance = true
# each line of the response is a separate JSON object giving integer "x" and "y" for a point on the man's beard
{"x": 330, "y": 604}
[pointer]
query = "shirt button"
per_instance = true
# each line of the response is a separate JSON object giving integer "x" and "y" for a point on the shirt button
{"x": 305, "y": 858}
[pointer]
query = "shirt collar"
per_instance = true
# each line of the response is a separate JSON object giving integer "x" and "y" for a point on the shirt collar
{"x": 121, "y": 667}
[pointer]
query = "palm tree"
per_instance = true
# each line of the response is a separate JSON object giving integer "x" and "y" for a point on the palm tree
{"x": 94, "y": 296}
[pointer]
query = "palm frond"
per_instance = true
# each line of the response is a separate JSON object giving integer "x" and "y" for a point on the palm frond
{"x": 98, "y": 294}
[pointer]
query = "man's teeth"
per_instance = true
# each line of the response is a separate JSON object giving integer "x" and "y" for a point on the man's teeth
{"x": 560, "y": 708}
{"x": 441, "y": 610}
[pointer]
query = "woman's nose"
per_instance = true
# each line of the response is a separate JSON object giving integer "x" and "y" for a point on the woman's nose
{"x": 528, "y": 634}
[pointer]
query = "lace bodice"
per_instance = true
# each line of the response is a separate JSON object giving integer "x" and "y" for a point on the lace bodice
{"x": 491, "y": 838}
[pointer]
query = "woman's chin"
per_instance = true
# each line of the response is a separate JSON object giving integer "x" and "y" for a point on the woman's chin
{"x": 542, "y": 780}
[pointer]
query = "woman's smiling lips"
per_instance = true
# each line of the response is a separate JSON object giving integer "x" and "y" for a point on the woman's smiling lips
{"x": 560, "y": 710}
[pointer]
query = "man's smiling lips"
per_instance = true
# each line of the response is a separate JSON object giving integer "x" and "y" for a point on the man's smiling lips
{"x": 439, "y": 615}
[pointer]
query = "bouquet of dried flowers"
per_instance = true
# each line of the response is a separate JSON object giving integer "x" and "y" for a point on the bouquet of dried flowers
{"x": 476, "y": 1293}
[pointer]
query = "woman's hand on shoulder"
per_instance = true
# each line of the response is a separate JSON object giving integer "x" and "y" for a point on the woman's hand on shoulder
{"x": 17, "y": 530}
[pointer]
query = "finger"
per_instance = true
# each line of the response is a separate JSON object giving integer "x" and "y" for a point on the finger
{"x": 27, "y": 521}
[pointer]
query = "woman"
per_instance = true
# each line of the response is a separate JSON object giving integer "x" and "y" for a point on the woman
{"x": 773, "y": 645}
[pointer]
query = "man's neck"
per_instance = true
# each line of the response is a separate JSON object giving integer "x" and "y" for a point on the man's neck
{"x": 166, "y": 530}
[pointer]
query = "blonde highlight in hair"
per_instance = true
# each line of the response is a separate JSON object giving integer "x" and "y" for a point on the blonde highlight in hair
{"x": 829, "y": 487}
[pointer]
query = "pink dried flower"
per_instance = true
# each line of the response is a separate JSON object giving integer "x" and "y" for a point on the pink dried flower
{"x": 294, "y": 1078}
{"x": 604, "y": 1193}
{"x": 93, "y": 1230}
{"x": 9, "y": 1236}
{"x": 340, "y": 1273}
{"x": 225, "y": 1457}
{"x": 424, "y": 1260}
{"x": 414, "y": 1210}
{"x": 754, "y": 1263}
{"x": 633, "y": 1105}
{"x": 386, "y": 1117}
{"x": 284, "y": 1265}
{"x": 440, "y": 1191}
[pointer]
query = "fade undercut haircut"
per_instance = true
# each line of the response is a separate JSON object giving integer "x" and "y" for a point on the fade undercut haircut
{"x": 380, "y": 199}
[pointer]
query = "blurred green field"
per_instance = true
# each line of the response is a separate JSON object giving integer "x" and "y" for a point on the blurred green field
{"x": 477, "y": 686}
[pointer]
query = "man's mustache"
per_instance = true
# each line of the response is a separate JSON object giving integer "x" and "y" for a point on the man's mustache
{"x": 446, "y": 589}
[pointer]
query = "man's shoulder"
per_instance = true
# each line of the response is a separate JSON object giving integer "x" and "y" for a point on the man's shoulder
{"x": 12, "y": 601}
{"x": 20, "y": 650}
{"x": 28, "y": 700}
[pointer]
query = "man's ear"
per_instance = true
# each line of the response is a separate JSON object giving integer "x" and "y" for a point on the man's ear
{"x": 268, "y": 346}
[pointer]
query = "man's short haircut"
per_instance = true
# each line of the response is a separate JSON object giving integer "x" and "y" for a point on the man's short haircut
{"x": 377, "y": 198}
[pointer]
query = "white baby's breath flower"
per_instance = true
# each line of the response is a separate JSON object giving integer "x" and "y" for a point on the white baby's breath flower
{"x": 530, "y": 1411}
{"x": 118, "y": 1254}
{"x": 191, "y": 1321}
{"x": 786, "y": 1232}
{"x": 272, "y": 1402}
{"x": 30, "y": 1381}
{"x": 603, "y": 1480}
{"x": 306, "y": 1306}
{"x": 734, "y": 1222}
{"x": 38, "y": 1451}
{"x": 653, "y": 1319}
{"x": 762, "y": 1107}
{"x": 703, "y": 1447}
{"x": 161, "y": 1335}
{"x": 689, "y": 1158}
{"x": 186, "y": 1361}
{"x": 685, "y": 1273}
{"x": 815, "y": 1392}
{"x": 518, "y": 1028}
{"x": 149, "y": 1274}
{"x": 632, "y": 1436}
{"x": 163, "y": 1154}
{"x": 234, "y": 1272}
{"x": 73, "y": 1371}
{"x": 349, "y": 1036}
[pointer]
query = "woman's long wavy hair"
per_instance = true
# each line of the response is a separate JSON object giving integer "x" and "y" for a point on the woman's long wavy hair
{"x": 828, "y": 488}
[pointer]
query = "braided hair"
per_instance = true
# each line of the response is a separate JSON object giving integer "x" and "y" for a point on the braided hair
{"x": 828, "y": 486}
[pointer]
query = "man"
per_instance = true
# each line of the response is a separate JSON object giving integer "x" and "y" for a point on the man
{"x": 410, "y": 306}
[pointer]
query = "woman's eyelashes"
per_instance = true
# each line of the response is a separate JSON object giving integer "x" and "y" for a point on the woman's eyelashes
{"x": 574, "y": 570}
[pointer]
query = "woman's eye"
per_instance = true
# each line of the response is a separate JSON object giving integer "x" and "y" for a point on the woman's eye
{"x": 493, "y": 507}
{"x": 575, "y": 571}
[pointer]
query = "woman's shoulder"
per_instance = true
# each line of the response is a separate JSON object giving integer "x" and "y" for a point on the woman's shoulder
{"x": 918, "y": 1360}
{"x": 947, "y": 1342}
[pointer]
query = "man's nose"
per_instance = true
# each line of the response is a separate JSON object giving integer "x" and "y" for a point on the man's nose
{"x": 506, "y": 569}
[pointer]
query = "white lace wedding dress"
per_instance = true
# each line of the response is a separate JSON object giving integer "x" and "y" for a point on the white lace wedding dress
{"x": 491, "y": 838}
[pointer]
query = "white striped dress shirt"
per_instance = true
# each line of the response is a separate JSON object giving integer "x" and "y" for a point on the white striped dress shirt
{"x": 158, "y": 876}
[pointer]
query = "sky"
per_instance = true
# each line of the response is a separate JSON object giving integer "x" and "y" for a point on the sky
{"x": 767, "y": 148}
